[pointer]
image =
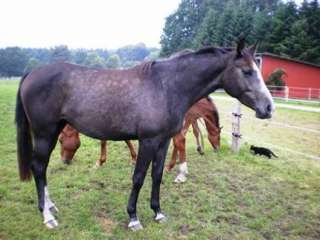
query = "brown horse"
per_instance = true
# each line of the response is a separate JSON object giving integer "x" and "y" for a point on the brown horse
{"x": 69, "y": 140}
{"x": 205, "y": 109}
{"x": 155, "y": 97}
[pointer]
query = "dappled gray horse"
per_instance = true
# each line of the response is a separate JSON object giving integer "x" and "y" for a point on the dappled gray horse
{"x": 147, "y": 102}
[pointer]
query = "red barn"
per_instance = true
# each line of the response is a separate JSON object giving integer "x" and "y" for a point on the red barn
{"x": 302, "y": 78}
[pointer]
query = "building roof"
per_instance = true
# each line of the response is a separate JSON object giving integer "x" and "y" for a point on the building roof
{"x": 288, "y": 59}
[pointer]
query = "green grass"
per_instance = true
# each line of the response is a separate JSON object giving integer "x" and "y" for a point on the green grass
{"x": 227, "y": 196}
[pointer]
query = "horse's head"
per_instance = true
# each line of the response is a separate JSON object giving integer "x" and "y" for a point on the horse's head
{"x": 215, "y": 138}
{"x": 70, "y": 142}
{"x": 242, "y": 79}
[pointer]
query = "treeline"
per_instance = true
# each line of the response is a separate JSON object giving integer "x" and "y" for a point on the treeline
{"x": 15, "y": 61}
{"x": 282, "y": 28}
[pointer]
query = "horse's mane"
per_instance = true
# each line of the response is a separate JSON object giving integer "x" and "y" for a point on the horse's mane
{"x": 214, "y": 50}
{"x": 145, "y": 68}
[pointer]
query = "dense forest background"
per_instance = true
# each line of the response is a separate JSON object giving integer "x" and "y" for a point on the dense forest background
{"x": 15, "y": 61}
{"x": 282, "y": 28}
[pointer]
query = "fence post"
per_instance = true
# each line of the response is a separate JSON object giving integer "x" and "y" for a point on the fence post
{"x": 236, "y": 115}
{"x": 309, "y": 94}
{"x": 286, "y": 93}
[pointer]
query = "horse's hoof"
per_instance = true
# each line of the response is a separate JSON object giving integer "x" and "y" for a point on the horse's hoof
{"x": 160, "y": 218}
{"x": 97, "y": 165}
{"x": 51, "y": 224}
{"x": 181, "y": 178}
{"x": 168, "y": 169}
{"x": 67, "y": 161}
{"x": 135, "y": 225}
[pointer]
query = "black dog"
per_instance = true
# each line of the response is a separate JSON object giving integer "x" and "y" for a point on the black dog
{"x": 262, "y": 151}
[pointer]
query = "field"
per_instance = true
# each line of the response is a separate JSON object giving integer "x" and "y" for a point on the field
{"x": 227, "y": 196}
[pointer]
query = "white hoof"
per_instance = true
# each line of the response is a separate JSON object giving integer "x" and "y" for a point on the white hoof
{"x": 181, "y": 178}
{"x": 135, "y": 225}
{"x": 160, "y": 218}
{"x": 52, "y": 223}
{"x": 183, "y": 168}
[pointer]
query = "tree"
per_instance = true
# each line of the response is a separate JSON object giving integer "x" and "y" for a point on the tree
{"x": 207, "y": 34}
{"x": 79, "y": 56}
{"x": 136, "y": 52}
{"x": 13, "y": 61}
{"x": 284, "y": 18}
{"x": 60, "y": 54}
{"x": 181, "y": 27}
{"x": 32, "y": 64}
{"x": 94, "y": 60}
{"x": 113, "y": 61}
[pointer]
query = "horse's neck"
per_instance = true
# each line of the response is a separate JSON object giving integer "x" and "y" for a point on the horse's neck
{"x": 195, "y": 77}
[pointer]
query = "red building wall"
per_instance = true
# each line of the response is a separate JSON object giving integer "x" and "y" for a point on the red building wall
{"x": 299, "y": 74}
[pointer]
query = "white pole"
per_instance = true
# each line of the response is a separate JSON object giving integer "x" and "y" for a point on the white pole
{"x": 309, "y": 94}
{"x": 286, "y": 93}
{"x": 236, "y": 115}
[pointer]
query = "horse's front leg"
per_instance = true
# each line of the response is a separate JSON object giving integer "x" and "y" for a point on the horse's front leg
{"x": 145, "y": 154}
{"x": 157, "y": 172}
{"x": 197, "y": 133}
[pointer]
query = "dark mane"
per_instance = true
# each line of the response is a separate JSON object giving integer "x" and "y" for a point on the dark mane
{"x": 214, "y": 50}
{"x": 145, "y": 68}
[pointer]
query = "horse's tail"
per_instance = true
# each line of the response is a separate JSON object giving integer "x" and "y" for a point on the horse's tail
{"x": 24, "y": 141}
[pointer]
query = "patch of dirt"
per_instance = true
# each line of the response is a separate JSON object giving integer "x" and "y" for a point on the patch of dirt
{"x": 106, "y": 223}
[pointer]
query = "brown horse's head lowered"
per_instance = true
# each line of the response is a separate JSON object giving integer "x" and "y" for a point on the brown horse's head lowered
{"x": 70, "y": 142}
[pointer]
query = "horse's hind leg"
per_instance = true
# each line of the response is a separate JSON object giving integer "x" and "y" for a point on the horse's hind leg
{"x": 103, "y": 154}
{"x": 43, "y": 146}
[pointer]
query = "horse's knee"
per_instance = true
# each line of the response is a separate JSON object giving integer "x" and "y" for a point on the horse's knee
{"x": 137, "y": 181}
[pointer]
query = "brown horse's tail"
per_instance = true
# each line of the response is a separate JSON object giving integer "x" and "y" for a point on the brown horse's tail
{"x": 24, "y": 141}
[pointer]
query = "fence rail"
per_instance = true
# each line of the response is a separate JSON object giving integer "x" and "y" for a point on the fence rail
{"x": 286, "y": 93}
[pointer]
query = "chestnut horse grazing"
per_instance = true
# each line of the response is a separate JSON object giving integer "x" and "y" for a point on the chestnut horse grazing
{"x": 205, "y": 109}
{"x": 70, "y": 142}
{"x": 155, "y": 97}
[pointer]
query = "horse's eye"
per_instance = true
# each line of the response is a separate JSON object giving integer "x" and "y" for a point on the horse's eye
{"x": 248, "y": 72}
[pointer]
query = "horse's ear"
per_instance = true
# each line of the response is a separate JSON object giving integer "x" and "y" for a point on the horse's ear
{"x": 253, "y": 48}
{"x": 240, "y": 46}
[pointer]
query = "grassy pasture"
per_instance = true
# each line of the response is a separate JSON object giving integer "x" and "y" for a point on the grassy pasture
{"x": 227, "y": 196}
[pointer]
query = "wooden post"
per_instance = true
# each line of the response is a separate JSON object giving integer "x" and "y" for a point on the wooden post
{"x": 286, "y": 93}
{"x": 236, "y": 115}
{"x": 309, "y": 94}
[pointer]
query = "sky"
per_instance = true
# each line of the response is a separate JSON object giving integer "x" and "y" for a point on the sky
{"x": 83, "y": 23}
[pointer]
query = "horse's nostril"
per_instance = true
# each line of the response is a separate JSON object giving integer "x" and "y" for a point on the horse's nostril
{"x": 269, "y": 108}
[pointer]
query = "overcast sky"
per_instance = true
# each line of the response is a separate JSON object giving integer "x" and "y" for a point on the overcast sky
{"x": 83, "y": 23}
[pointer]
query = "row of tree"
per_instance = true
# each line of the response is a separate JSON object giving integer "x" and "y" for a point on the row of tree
{"x": 282, "y": 28}
{"x": 15, "y": 61}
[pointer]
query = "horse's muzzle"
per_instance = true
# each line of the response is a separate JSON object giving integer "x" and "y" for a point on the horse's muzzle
{"x": 266, "y": 112}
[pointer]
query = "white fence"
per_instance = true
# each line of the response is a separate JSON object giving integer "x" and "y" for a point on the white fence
{"x": 299, "y": 93}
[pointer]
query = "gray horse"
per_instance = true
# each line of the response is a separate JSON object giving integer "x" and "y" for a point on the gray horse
{"x": 146, "y": 102}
